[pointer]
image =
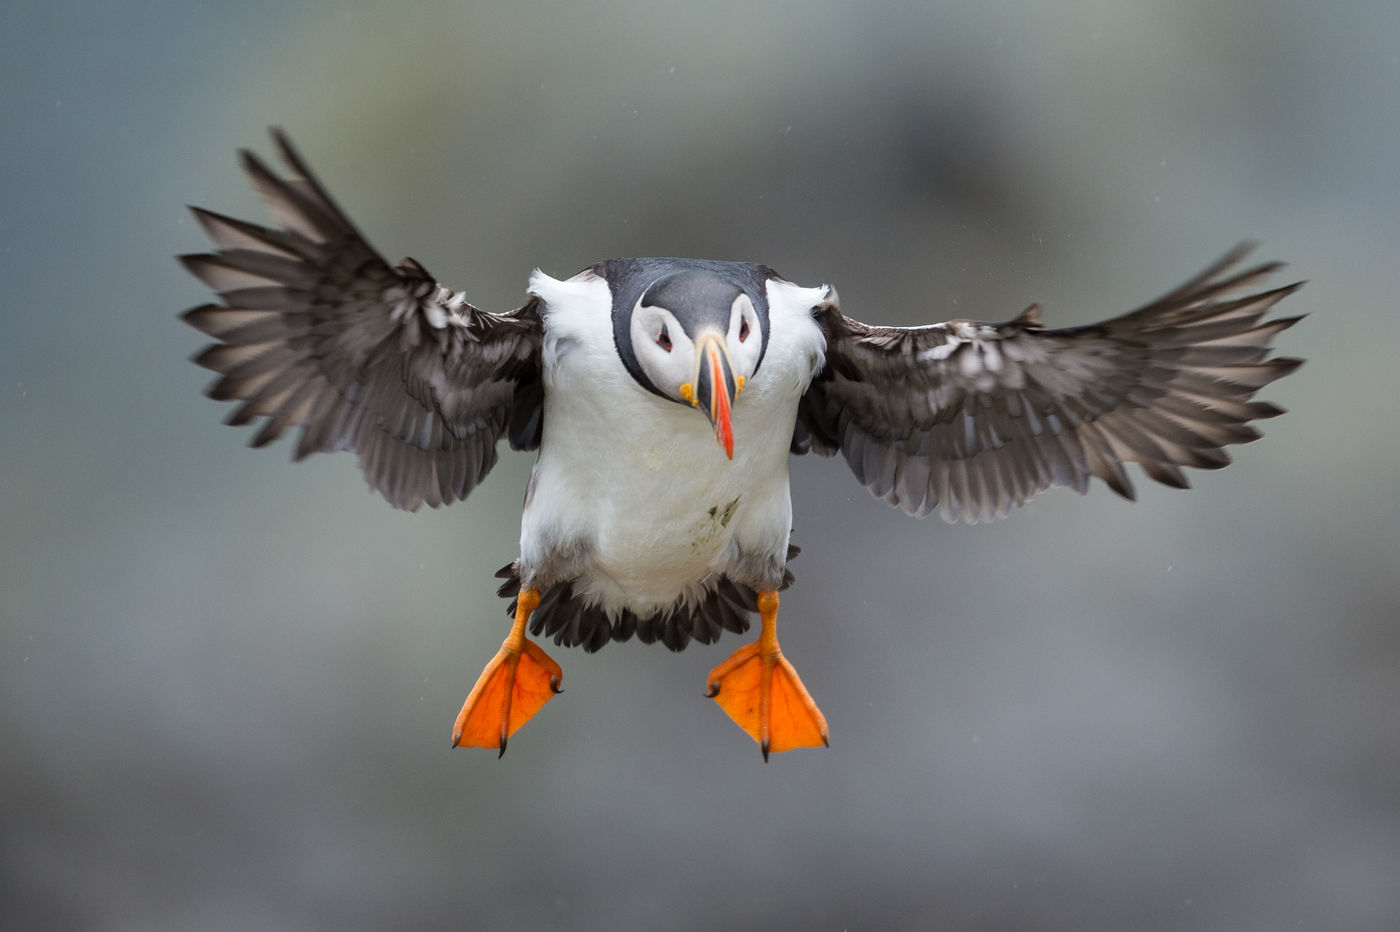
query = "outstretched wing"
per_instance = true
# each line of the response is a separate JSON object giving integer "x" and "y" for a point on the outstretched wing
{"x": 971, "y": 419}
{"x": 317, "y": 331}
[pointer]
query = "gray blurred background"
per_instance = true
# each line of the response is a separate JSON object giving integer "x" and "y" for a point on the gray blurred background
{"x": 227, "y": 683}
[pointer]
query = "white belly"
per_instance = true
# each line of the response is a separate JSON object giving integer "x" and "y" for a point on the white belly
{"x": 632, "y": 497}
{"x": 648, "y": 500}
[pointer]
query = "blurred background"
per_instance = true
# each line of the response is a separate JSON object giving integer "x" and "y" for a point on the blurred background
{"x": 227, "y": 684}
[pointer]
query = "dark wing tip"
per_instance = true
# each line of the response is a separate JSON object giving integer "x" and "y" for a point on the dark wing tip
{"x": 287, "y": 152}
{"x": 194, "y": 263}
{"x": 1030, "y": 316}
{"x": 208, "y": 218}
{"x": 251, "y": 163}
{"x": 204, "y": 319}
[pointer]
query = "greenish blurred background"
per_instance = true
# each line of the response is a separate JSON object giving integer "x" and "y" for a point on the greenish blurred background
{"x": 227, "y": 684}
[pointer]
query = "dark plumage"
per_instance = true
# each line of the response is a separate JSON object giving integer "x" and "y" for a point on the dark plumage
{"x": 317, "y": 331}
{"x": 970, "y": 419}
{"x": 641, "y": 518}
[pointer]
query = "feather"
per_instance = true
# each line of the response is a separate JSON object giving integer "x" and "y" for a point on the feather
{"x": 972, "y": 419}
{"x": 316, "y": 330}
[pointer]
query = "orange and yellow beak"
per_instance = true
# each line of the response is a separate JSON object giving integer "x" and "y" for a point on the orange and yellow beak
{"x": 715, "y": 387}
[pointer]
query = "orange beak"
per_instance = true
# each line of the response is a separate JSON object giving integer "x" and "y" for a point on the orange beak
{"x": 715, "y": 387}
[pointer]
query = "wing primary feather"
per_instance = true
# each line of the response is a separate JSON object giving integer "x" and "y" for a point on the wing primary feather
{"x": 971, "y": 419}
{"x": 316, "y": 330}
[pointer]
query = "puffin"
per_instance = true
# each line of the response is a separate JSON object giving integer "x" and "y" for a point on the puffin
{"x": 663, "y": 398}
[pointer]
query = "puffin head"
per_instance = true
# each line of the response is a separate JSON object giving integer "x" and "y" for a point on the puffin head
{"x": 696, "y": 335}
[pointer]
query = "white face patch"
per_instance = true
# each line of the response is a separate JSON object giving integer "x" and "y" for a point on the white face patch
{"x": 667, "y": 354}
{"x": 745, "y": 338}
{"x": 663, "y": 349}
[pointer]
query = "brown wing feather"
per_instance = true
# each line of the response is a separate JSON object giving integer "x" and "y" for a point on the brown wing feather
{"x": 317, "y": 331}
{"x": 971, "y": 419}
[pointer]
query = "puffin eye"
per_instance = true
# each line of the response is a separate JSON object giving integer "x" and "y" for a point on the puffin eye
{"x": 664, "y": 341}
{"x": 743, "y": 329}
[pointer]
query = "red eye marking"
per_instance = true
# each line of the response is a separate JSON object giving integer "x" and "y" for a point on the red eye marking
{"x": 664, "y": 341}
{"x": 743, "y": 330}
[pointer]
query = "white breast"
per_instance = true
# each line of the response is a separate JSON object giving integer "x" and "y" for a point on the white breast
{"x": 631, "y": 492}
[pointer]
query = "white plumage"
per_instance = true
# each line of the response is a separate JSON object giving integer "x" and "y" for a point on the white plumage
{"x": 647, "y": 518}
{"x": 637, "y": 483}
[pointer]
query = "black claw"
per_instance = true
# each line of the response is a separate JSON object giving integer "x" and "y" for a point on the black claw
{"x": 826, "y": 742}
{"x": 764, "y": 747}
{"x": 503, "y": 748}
{"x": 554, "y": 686}
{"x": 712, "y": 690}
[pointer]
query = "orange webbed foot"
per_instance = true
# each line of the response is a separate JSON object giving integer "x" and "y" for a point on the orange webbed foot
{"x": 515, "y": 685}
{"x": 763, "y": 694}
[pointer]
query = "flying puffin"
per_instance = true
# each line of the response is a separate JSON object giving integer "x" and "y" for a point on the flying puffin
{"x": 664, "y": 396}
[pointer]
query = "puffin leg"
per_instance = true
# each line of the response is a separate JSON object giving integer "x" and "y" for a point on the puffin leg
{"x": 515, "y": 685}
{"x": 763, "y": 694}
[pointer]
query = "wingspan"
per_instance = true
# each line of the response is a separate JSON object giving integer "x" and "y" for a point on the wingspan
{"x": 971, "y": 419}
{"x": 317, "y": 331}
